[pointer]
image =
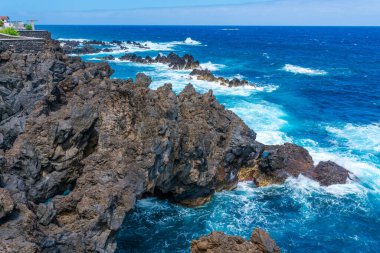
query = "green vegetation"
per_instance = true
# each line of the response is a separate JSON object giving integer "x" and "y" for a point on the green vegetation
{"x": 28, "y": 27}
{"x": 9, "y": 31}
{"x": 1, "y": 23}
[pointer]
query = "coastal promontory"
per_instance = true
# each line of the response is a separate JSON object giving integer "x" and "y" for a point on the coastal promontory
{"x": 78, "y": 149}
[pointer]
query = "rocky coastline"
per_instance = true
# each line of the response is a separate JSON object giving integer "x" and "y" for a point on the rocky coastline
{"x": 96, "y": 46}
{"x": 77, "y": 149}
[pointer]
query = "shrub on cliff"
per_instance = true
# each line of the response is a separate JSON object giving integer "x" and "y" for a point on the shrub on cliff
{"x": 9, "y": 31}
{"x": 28, "y": 27}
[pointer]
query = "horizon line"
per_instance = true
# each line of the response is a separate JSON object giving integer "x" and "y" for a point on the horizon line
{"x": 216, "y": 25}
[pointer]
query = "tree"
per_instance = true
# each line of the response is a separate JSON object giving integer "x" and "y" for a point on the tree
{"x": 28, "y": 27}
{"x": 1, "y": 23}
{"x": 9, "y": 31}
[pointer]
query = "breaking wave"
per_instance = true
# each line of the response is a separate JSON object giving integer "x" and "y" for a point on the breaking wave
{"x": 304, "y": 71}
{"x": 190, "y": 41}
{"x": 359, "y": 137}
{"x": 212, "y": 66}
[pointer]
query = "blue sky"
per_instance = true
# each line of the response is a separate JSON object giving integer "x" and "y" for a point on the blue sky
{"x": 196, "y": 12}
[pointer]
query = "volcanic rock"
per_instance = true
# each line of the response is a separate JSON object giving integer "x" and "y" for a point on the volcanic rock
{"x": 173, "y": 60}
{"x": 79, "y": 148}
{"x": 107, "y": 58}
{"x": 207, "y": 75}
{"x": 218, "y": 242}
{"x": 278, "y": 162}
{"x": 329, "y": 173}
{"x": 6, "y": 203}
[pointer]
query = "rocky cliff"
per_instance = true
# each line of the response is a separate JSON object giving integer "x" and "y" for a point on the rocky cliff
{"x": 78, "y": 148}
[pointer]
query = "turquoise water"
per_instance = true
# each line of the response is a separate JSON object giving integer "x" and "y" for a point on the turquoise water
{"x": 316, "y": 86}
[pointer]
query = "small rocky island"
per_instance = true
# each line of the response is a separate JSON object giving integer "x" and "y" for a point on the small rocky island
{"x": 78, "y": 149}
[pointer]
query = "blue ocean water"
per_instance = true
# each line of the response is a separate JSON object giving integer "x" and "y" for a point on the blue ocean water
{"x": 318, "y": 87}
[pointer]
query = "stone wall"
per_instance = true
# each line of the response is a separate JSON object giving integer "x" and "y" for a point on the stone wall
{"x": 36, "y": 34}
{"x": 22, "y": 44}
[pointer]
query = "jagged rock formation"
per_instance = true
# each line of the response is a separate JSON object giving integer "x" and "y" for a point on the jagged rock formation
{"x": 218, "y": 242}
{"x": 96, "y": 46}
{"x": 173, "y": 60}
{"x": 85, "y": 147}
{"x": 85, "y": 47}
{"x": 278, "y": 162}
{"x": 207, "y": 75}
{"x": 78, "y": 148}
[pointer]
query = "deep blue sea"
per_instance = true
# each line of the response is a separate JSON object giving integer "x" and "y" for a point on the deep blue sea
{"x": 318, "y": 87}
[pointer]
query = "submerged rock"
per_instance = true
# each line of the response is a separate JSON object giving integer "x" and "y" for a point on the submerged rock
{"x": 218, "y": 242}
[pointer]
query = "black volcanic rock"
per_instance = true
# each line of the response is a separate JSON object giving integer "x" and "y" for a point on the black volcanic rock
{"x": 86, "y": 147}
{"x": 107, "y": 58}
{"x": 173, "y": 60}
{"x": 260, "y": 242}
{"x": 278, "y": 162}
{"x": 77, "y": 149}
{"x": 329, "y": 173}
{"x": 207, "y": 75}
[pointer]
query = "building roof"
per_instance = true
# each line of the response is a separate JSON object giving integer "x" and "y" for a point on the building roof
{"x": 4, "y": 17}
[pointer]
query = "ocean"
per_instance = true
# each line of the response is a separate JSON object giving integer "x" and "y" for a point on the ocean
{"x": 318, "y": 87}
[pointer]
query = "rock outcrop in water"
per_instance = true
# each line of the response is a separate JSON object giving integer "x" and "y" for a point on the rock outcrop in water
{"x": 173, "y": 60}
{"x": 207, "y": 75}
{"x": 78, "y": 148}
{"x": 329, "y": 173}
{"x": 260, "y": 242}
{"x": 278, "y": 162}
{"x": 87, "y": 46}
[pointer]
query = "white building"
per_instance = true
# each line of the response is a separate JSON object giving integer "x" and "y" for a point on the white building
{"x": 5, "y": 20}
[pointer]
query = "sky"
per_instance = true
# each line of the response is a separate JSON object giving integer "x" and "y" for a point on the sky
{"x": 196, "y": 12}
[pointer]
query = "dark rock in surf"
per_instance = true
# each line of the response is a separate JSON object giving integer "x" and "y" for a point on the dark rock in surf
{"x": 107, "y": 58}
{"x": 173, "y": 60}
{"x": 276, "y": 163}
{"x": 207, "y": 75}
{"x": 260, "y": 242}
{"x": 329, "y": 173}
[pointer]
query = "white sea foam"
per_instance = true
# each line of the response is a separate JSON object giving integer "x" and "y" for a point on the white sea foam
{"x": 190, "y": 41}
{"x": 359, "y": 137}
{"x": 70, "y": 39}
{"x": 162, "y": 74}
{"x": 265, "y": 118}
{"x": 212, "y": 66}
{"x": 301, "y": 70}
{"x": 230, "y": 29}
